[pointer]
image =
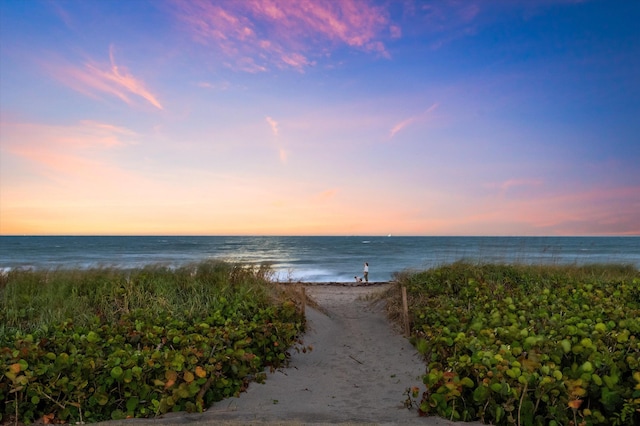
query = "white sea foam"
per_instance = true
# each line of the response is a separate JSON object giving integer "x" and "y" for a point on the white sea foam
{"x": 311, "y": 275}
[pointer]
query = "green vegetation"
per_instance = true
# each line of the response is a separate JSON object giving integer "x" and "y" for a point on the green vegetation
{"x": 527, "y": 345}
{"x": 109, "y": 344}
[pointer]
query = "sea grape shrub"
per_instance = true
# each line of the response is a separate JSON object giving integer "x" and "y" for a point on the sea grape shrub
{"x": 138, "y": 369}
{"x": 529, "y": 344}
{"x": 146, "y": 363}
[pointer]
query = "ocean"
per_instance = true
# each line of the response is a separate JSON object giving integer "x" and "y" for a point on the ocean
{"x": 314, "y": 258}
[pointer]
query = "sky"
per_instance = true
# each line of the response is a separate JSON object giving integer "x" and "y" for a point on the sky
{"x": 314, "y": 117}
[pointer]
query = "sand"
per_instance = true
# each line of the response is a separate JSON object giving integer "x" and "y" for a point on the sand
{"x": 357, "y": 372}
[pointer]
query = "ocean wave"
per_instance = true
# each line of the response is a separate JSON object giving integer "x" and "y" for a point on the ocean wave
{"x": 310, "y": 275}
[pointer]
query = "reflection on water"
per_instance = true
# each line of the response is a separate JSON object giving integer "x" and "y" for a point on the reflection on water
{"x": 314, "y": 259}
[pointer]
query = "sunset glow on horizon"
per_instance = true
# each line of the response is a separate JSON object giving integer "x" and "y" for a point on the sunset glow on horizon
{"x": 319, "y": 117}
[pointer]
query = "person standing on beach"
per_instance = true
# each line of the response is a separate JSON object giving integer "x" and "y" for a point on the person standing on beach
{"x": 366, "y": 271}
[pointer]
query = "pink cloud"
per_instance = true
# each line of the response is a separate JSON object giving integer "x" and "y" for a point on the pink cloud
{"x": 77, "y": 150}
{"x": 273, "y": 124}
{"x": 596, "y": 211}
{"x": 510, "y": 184}
{"x": 605, "y": 211}
{"x": 285, "y": 33}
{"x": 354, "y": 23}
{"x": 401, "y": 125}
{"x": 104, "y": 134}
{"x": 327, "y": 195}
{"x": 221, "y": 86}
{"x": 395, "y": 31}
{"x": 443, "y": 15}
{"x": 111, "y": 79}
{"x": 450, "y": 20}
{"x": 295, "y": 60}
{"x": 419, "y": 117}
{"x": 283, "y": 155}
{"x": 62, "y": 14}
{"x": 469, "y": 11}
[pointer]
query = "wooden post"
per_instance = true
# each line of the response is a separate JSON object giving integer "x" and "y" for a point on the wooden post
{"x": 405, "y": 310}
{"x": 303, "y": 290}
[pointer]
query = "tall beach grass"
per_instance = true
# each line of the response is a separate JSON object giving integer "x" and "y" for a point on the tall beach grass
{"x": 99, "y": 344}
{"x": 31, "y": 301}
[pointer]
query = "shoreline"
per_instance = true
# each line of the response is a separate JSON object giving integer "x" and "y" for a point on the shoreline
{"x": 337, "y": 283}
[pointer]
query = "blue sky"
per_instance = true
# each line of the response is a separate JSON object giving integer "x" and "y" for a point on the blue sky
{"x": 276, "y": 117}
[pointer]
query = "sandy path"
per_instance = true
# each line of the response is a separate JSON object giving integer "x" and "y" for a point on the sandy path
{"x": 357, "y": 372}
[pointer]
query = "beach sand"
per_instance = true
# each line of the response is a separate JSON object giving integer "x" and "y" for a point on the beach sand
{"x": 357, "y": 372}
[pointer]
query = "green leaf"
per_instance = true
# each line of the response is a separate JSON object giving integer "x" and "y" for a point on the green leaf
{"x": 118, "y": 415}
{"x": 527, "y": 412}
{"x": 422, "y": 346}
{"x": 467, "y": 382}
{"x": 610, "y": 399}
{"x": 93, "y": 337}
{"x": 132, "y": 404}
{"x": 481, "y": 394}
{"x": 101, "y": 398}
{"x": 496, "y": 387}
{"x": 116, "y": 372}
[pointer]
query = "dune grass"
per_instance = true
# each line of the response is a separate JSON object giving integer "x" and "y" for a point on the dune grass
{"x": 98, "y": 344}
{"x": 31, "y": 301}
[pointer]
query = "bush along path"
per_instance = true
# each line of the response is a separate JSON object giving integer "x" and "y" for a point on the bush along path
{"x": 528, "y": 345}
{"x": 149, "y": 342}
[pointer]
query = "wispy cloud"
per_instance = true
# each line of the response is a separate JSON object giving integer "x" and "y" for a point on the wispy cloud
{"x": 587, "y": 211}
{"x": 255, "y": 35}
{"x": 221, "y": 86}
{"x": 446, "y": 15}
{"x": 283, "y": 153}
{"x": 451, "y": 20}
{"x": 401, "y": 125}
{"x": 510, "y": 184}
{"x": 62, "y": 14}
{"x": 416, "y": 118}
{"x": 600, "y": 210}
{"x": 273, "y": 124}
{"x": 327, "y": 195}
{"x": 94, "y": 78}
{"x": 77, "y": 150}
{"x": 395, "y": 31}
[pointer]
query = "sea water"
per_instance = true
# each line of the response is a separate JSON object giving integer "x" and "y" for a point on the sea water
{"x": 314, "y": 258}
